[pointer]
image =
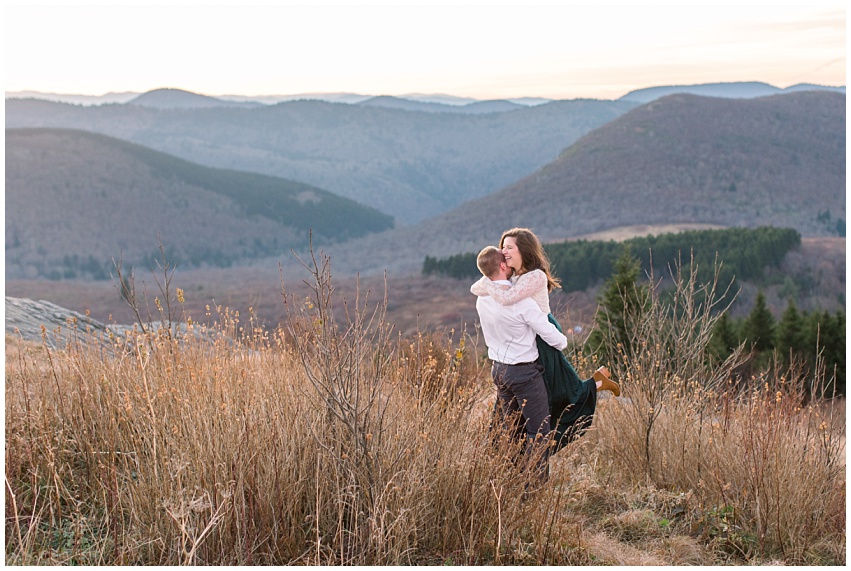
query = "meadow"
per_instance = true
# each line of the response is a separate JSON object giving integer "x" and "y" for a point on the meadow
{"x": 337, "y": 440}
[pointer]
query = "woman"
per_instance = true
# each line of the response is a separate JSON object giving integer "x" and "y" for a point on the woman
{"x": 572, "y": 401}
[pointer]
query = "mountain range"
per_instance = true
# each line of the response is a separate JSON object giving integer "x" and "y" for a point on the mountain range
{"x": 409, "y": 164}
{"x": 180, "y": 99}
{"x": 682, "y": 159}
{"x": 730, "y": 90}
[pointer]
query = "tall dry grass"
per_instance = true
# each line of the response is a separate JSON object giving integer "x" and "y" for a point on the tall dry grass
{"x": 331, "y": 442}
{"x": 336, "y": 441}
{"x": 762, "y": 458}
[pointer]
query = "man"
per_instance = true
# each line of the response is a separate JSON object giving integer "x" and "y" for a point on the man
{"x": 509, "y": 332}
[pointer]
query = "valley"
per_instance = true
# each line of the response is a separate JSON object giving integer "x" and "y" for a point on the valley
{"x": 414, "y": 303}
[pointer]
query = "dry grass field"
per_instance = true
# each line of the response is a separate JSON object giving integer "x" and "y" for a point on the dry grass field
{"x": 336, "y": 440}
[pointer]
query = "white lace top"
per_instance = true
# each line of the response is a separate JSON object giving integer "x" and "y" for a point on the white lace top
{"x": 531, "y": 284}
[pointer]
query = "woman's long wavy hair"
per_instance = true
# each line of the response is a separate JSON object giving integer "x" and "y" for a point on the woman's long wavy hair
{"x": 532, "y": 252}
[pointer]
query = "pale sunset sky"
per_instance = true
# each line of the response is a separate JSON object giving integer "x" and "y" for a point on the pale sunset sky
{"x": 482, "y": 50}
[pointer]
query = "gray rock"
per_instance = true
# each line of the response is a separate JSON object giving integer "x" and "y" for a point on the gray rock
{"x": 31, "y": 320}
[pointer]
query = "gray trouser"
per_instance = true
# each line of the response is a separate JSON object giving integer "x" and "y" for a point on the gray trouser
{"x": 520, "y": 390}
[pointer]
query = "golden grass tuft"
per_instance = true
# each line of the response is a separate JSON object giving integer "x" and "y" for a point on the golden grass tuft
{"x": 606, "y": 550}
{"x": 683, "y": 550}
{"x": 633, "y": 525}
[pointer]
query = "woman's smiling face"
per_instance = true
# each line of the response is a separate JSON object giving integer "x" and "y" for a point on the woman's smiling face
{"x": 512, "y": 255}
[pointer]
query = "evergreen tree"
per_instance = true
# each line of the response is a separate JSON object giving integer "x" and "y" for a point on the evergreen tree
{"x": 724, "y": 337}
{"x": 623, "y": 297}
{"x": 790, "y": 331}
{"x": 813, "y": 335}
{"x": 429, "y": 265}
{"x": 824, "y": 338}
{"x": 758, "y": 328}
{"x": 833, "y": 341}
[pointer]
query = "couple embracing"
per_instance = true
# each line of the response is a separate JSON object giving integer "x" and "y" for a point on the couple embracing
{"x": 535, "y": 382}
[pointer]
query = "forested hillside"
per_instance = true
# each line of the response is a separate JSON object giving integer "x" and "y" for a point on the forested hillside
{"x": 410, "y": 164}
{"x": 75, "y": 200}
{"x": 743, "y": 254}
{"x": 775, "y": 161}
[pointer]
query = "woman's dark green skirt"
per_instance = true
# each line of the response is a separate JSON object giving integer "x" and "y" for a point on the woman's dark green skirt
{"x": 572, "y": 401}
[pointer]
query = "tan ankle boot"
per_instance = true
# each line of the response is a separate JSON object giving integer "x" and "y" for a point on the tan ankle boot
{"x": 601, "y": 375}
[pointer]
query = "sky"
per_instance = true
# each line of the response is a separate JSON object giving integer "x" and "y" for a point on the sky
{"x": 555, "y": 50}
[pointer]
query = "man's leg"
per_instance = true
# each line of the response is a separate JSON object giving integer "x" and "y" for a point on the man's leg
{"x": 506, "y": 408}
{"x": 522, "y": 387}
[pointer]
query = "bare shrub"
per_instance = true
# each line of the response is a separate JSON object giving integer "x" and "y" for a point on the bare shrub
{"x": 765, "y": 462}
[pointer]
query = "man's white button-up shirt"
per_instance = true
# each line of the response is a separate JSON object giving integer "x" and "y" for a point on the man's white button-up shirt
{"x": 510, "y": 330}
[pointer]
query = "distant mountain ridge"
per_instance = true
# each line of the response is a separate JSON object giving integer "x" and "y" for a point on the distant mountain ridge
{"x": 168, "y": 98}
{"x": 735, "y": 90}
{"x": 495, "y": 106}
{"x": 644, "y": 95}
{"x": 75, "y": 200}
{"x": 75, "y": 99}
{"x": 350, "y": 98}
{"x": 775, "y": 161}
{"x": 411, "y": 165}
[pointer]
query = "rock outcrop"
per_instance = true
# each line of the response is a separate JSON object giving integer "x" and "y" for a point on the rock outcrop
{"x": 31, "y": 320}
{"x": 58, "y": 326}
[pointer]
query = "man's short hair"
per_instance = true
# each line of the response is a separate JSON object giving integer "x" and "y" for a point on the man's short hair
{"x": 488, "y": 261}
